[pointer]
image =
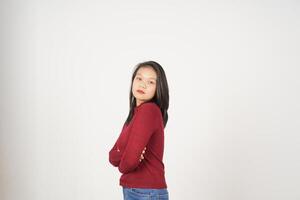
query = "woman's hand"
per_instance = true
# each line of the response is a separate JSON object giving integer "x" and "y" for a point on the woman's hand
{"x": 142, "y": 155}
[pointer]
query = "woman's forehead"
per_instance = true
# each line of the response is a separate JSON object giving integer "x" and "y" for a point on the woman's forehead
{"x": 150, "y": 74}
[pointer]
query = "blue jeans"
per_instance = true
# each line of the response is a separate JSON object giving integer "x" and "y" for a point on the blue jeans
{"x": 145, "y": 194}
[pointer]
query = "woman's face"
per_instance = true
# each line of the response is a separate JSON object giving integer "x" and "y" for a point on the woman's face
{"x": 145, "y": 81}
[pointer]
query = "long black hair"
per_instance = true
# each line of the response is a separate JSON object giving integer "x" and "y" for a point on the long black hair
{"x": 161, "y": 97}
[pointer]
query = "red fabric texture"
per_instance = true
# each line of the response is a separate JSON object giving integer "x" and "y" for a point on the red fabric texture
{"x": 145, "y": 129}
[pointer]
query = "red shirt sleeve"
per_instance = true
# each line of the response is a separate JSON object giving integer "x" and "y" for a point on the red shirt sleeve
{"x": 144, "y": 125}
{"x": 115, "y": 156}
{"x": 115, "y": 153}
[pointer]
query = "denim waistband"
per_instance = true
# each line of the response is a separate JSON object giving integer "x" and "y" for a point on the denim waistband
{"x": 149, "y": 190}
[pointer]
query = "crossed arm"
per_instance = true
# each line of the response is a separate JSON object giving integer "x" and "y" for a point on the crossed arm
{"x": 115, "y": 155}
{"x": 143, "y": 127}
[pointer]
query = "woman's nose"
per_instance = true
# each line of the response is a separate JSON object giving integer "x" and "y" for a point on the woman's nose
{"x": 143, "y": 85}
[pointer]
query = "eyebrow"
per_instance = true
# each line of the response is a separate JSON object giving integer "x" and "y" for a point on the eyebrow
{"x": 142, "y": 75}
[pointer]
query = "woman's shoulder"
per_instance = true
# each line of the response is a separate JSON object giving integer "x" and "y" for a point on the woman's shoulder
{"x": 150, "y": 109}
{"x": 149, "y": 112}
{"x": 149, "y": 106}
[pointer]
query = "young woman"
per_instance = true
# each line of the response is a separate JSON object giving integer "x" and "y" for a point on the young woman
{"x": 138, "y": 152}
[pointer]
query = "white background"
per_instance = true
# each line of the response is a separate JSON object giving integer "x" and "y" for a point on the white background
{"x": 233, "y": 73}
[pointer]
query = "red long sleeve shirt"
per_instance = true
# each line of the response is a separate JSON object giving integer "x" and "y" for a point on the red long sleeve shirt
{"x": 145, "y": 129}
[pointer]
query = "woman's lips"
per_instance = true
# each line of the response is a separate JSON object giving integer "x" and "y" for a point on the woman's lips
{"x": 141, "y": 91}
